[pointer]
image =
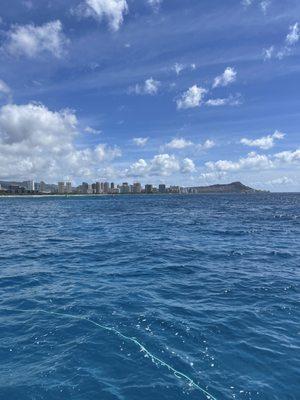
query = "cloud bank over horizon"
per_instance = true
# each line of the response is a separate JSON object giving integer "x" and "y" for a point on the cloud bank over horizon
{"x": 109, "y": 89}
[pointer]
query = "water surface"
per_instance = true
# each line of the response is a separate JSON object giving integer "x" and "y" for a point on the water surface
{"x": 208, "y": 284}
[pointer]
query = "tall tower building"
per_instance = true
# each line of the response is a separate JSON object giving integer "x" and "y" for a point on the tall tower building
{"x": 69, "y": 187}
{"x": 84, "y": 188}
{"x": 42, "y": 187}
{"x": 136, "y": 188}
{"x": 106, "y": 188}
{"x": 29, "y": 185}
{"x": 149, "y": 189}
{"x": 98, "y": 188}
{"x": 162, "y": 188}
{"x": 61, "y": 188}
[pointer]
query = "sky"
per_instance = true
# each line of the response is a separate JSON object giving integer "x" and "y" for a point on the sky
{"x": 158, "y": 91}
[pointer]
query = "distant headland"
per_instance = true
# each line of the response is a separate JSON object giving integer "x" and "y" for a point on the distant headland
{"x": 107, "y": 188}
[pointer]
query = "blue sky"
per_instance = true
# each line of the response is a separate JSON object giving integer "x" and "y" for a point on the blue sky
{"x": 182, "y": 92}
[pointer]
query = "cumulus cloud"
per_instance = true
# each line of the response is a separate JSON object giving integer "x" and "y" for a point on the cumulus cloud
{"x": 265, "y": 142}
{"x": 179, "y": 143}
{"x": 192, "y": 98}
{"x": 253, "y": 161}
{"x": 281, "y": 181}
{"x": 225, "y": 79}
{"x": 208, "y": 144}
{"x": 212, "y": 176}
{"x": 140, "y": 141}
{"x": 149, "y": 87}
{"x": 188, "y": 166}
{"x": 160, "y": 165}
{"x": 31, "y": 41}
{"x": 37, "y": 142}
{"x": 288, "y": 157}
{"x": 111, "y": 10}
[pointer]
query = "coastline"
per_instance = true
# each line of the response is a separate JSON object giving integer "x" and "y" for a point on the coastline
{"x": 138, "y": 194}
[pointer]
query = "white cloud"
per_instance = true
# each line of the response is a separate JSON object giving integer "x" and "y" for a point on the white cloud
{"x": 253, "y": 161}
{"x": 228, "y": 101}
{"x": 225, "y": 79}
{"x": 31, "y": 41}
{"x": 150, "y": 87}
{"x": 179, "y": 143}
{"x": 207, "y": 145}
{"x": 106, "y": 153}
{"x": 139, "y": 168}
{"x": 140, "y": 141}
{"x": 281, "y": 181}
{"x": 178, "y": 67}
{"x": 291, "y": 40}
{"x": 93, "y": 131}
{"x": 160, "y": 165}
{"x": 212, "y": 176}
{"x": 4, "y": 88}
{"x": 36, "y": 142}
{"x": 192, "y": 98}
{"x": 264, "y": 4}
{"x": 265, "y": 142}
{"x": 188, "y": 166}
{"x": 288, "y": 157}
{"x": 111, "y": 10}
{"x": 155, "y": 3}
{"x": 294, "y": 34}
{"x": 268, "y": 53}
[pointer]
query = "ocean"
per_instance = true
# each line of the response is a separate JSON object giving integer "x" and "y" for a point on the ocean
{"x": 150, "y": 297}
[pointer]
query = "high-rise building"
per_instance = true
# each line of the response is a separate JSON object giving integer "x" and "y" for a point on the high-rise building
{"x": 42, "y": 187}
{"x": 136, "y": 188}
{"x": 174, "y": 189}
{"x": 125, "y": 189}
{"x": 69, "y": 187}
{"x": 98, "y": 188}
{"x": 162, "y": 188}
{"x": 61, "y": 187}
{"x": 84, "y": 188}
{"x": 112, "y": 186}
{"x": 106, "y": 187}
{"x": 148, "y": 189}
{"x": 29, "y": 185}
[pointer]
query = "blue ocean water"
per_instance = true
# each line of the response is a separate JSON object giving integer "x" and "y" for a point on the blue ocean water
{"x": 150, "y": 297}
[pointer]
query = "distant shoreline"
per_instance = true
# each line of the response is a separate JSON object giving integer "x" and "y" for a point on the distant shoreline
{"x": 137, "y": 194}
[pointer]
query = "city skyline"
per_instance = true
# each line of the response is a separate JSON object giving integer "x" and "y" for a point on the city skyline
{"x": 214, "y": 100}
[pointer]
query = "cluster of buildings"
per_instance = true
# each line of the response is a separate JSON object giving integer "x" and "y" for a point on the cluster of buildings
{"x": 111, "y": 188}
{"x": 65, "y": 188}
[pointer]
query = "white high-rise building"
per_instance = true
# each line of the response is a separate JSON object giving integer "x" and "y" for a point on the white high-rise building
{"x": 42, "y": 187}
{"x": 29, "y": 185}
{"x": 61, "y": 188}
{"x": 69, "y": 187}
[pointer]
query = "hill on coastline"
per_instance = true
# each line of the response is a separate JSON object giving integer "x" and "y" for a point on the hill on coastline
{"x": 234, "y": 187}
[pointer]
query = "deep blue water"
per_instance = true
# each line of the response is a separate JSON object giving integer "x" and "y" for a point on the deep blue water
{"x": 208, "y": 284}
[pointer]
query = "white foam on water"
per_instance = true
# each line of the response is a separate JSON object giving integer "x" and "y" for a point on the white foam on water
{"x": 148, "y": 354}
